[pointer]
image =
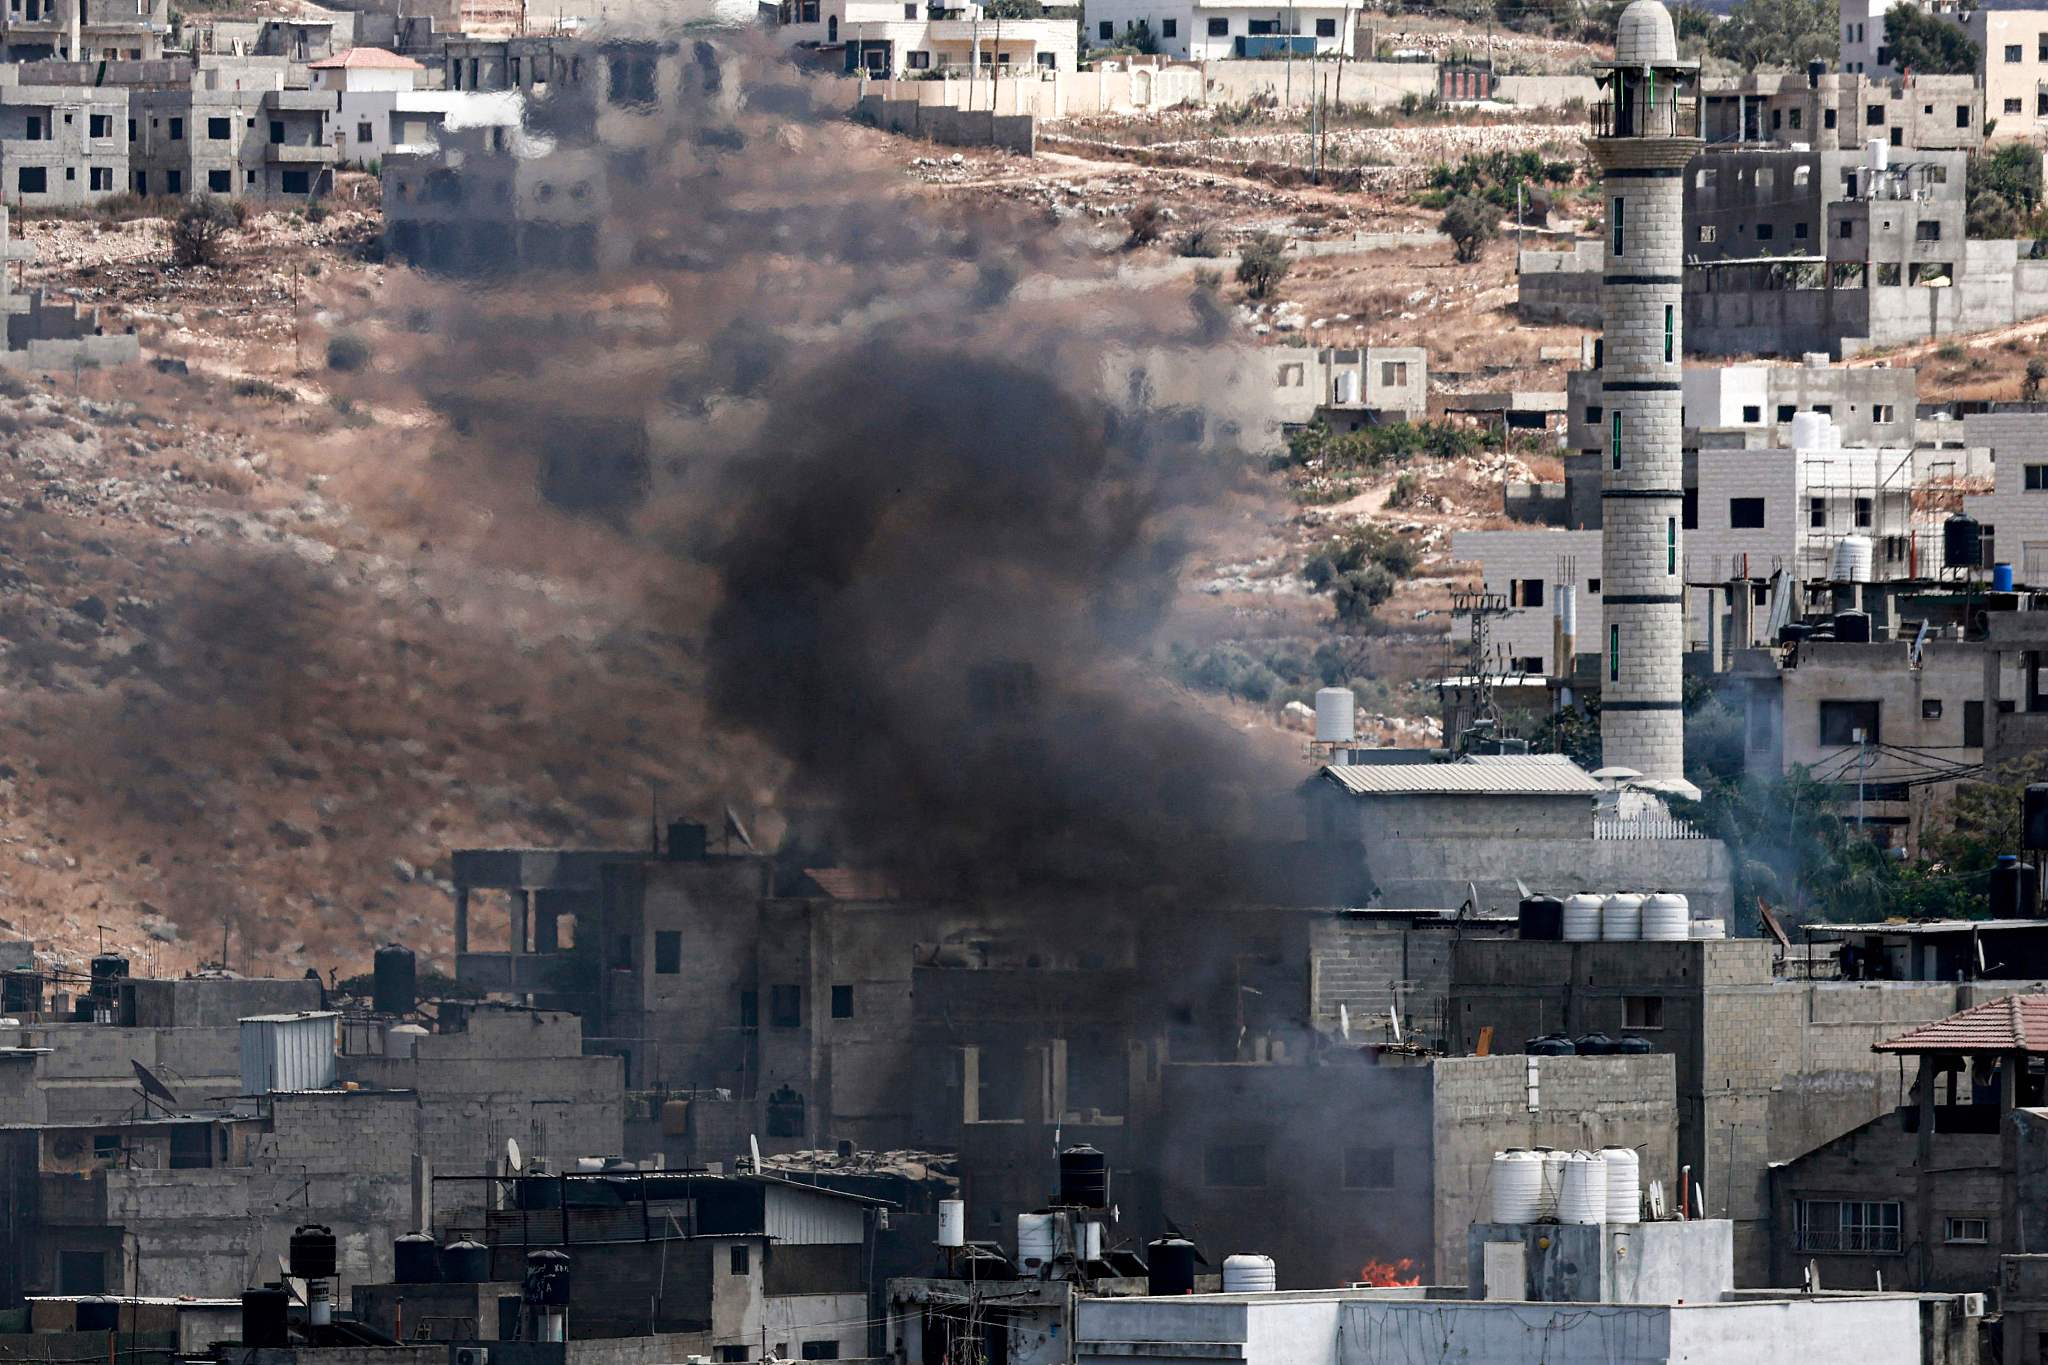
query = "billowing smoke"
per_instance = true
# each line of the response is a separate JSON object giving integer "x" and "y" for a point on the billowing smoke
{"x": 922, "y": 453}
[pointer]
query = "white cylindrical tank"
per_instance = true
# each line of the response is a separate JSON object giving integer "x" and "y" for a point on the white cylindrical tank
{"x": 1809, "y": 431}
{"x": 1667, "y": 918}
{"x": 1852, "y": 560}
{"x": 1710, "y": 928}
{"x": 1249, "y": 1274}
{"x": 952, "y": 1223}
{"x": 1582, "y": 918}
{"x": 1877, "y": 154}
{"x": 1567, "y": 611}
{"x": 1034, "y": 1242}
{"x": 1553, "y": 1178}
{"x": 1517, "y": 1192}
{"x": 403, "y": 1040}
{"x": 1582, "y": 1189}
{"x": 1621, "y": 917}
{"x": 1091, "y": 1241}
{"x": 1624, "y": 1184}
{"x": 1336, "y": 715}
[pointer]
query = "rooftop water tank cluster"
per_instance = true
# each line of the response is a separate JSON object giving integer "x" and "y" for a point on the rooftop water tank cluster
{"x": 1631, "y": 917}
{"x": 1545, "y": 1185}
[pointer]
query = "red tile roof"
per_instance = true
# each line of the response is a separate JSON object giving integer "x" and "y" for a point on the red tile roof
{"x": 361, "y": 58}
{"x": 2016, "y": 1023}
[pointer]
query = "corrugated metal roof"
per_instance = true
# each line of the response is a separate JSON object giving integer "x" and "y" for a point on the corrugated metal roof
{"x": 1491, "y": 775}
{"x": 2017, "y": 1023}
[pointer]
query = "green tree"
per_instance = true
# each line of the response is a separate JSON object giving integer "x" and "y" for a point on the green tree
{"x": 1470, "y": 224}
{"x": 2037, "y": 375}
{"x": 1777, "y": 34}
{"x": 200, "y": 231}
{"x": 2004, "y": 190}
{"x": 1262, "y": 265}
{"x": 1138, "y": 37}
{"x": 1926, "y": 45}
{"x": 1013, "y": 9}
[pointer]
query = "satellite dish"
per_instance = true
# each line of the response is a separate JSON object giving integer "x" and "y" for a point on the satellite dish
{"x": 512, "y": 1156}
{"x": 153, "y": 1087}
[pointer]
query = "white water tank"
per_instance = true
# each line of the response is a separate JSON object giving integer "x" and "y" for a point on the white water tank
{"x": 1553, "y": 1178}
{"x": 1710, "y": 928}
{"x": 1621, "y": 918}
{"x": 1877, "y": 154}
{"x": 1851, "y": 563}
{"x": 1034, "y": 1242}
{"x": 952, "y": 1223}
{"x": 1336, "y": 715}
{"x": 1582, "y": 918}
{"x": 1624, "y": 1184}
{"x": 1810, "y": 431}
{"x": 1091, "y": 1241}
{"x": 1567, "y": 612}
{"x": 1249, "y": 1274}
{"x": 1582, "y": 1189}
{"x": 403, "y": 1040}
{"x": 1517, "y": 1190}
{"x": 1667, "y": 918}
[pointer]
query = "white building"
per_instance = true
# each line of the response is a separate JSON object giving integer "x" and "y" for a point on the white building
{"x": 2013, "y": 517}
{"x": 365, "y": 83}
{"x": 2012, "y": 63}
{"x": 1200, "y": 30}
{"x": 888, "y": 39}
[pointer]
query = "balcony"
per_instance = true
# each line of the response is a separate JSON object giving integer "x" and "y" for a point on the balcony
{"x": 1668, "y": 118}
{"x": 299, "y": 154}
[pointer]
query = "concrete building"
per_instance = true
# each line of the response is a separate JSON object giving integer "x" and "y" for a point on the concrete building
{"x": 366, "y": 84}
{"x": 62, "y": 145}
{"x": 1431, "y": 829}
{"x": 1769, "y": 1066}
{"x": 885, "y": 39}
{"x": 1347, "y": 388}
{"x": 1652, "y": 1291}
{"x": 1215, "y": 30}
{"x": 708, "y": 1264}
{"x": 235, "y": 131}
{"x": 2013, "y": 517}
{"x": 1642, "y": 140}
{"x": 84, "y": 30}
{"x": 2012, "y": 64}
{"x": 1932, "y": 1194}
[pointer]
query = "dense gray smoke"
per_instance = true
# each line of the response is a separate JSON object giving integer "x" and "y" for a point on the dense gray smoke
{"x": 943, "y": 510}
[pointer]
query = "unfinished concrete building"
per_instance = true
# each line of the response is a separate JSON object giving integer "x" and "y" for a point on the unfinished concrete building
{"x": 1347, "y": 388}
{"x": 84, "y": 30}
{"x": 62, "y": 145}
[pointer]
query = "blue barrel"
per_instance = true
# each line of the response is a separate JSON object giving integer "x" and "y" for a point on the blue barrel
{"x": 2001, "y": 578}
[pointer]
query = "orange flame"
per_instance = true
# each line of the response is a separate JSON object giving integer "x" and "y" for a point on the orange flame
{"x": 1388, "y": 1273}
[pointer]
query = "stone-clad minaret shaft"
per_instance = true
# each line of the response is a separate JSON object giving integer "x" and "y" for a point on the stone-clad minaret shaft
{"x": 1645, "y": 130}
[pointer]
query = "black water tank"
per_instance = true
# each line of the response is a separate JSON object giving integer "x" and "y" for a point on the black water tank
{"x": 1595, "y": 1045}
{"x": 266, "y": 1317}
{"x": 688, "y": 842}
{"x": 1852, "y": 627}
{"x": 1540, "y": 917}
{"x": 2015, "y": 888}
{"x": 415, "y": 1259}
{"x": 1550, "y": 1045}
{"x": 1962, "y": 542}
{"x": 1084, "y": 1178}
{"x": 99, "y": 1314}
{"x": 312, "y": 1252}
{"x": 1632, "y": 1045}
{"x": 394, "y": 980}
{"x": 465, "y": 1262}
{"x": 2034, "y": 816}
{"x": 1792, "y": 632}
{"x": 1170, "y": 1266}
{"x": 1814, "y": 71}
{"x": 547, "y": 1279}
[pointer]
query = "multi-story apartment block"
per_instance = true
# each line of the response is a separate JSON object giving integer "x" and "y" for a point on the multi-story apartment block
{"x": 2012, "y": 63}
{"x": 1211, "y": 30}
{"x": 890, "y": 38}
{"x": 83, "y": 30}
{"x": 62, "y": 144}
{"x": 255, "y": 143}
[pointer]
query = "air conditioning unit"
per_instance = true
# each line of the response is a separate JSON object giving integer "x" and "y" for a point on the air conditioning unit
{"x": 1972, "y": 1306}
{"x": 475, "y": 1355}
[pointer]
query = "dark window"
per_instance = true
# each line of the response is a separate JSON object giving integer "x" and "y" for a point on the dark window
{"x": 750, "y": 1009}
{"x": 1930, "y": 708}
{"x": 1593, "y": 413}
{"x": 1169, "y": 28}
{"x": 174, "y": 182}
{"x": 1326, "y": 28}
{"x": 1525, "y": 592}
{"x": 365, "y": 133}
{"x": 1863, "y": 512}
{"x": 1874, "y": 115}
{"x": 142, "y": 182}
{"x": 1219, "y": 28}
{"x": 1898, "y": 137}
{"x": 81, "y": 1272}
{"x": 1105, "y": 30}
{"x": 1368, "y": 1168}
{"x": 177, "y": 130}
{"x": 106, "y": 1146}
{"x": 1927, "y": 230}
{"x": 1642, "y": 1011}
{"x": 740, "y": 1260}
{"x": 1786, "y": 412}
{"x": 668, "y": 952}
{"x": 1848, "y": 1225}
{"x": 131, "y": 130}
{"x": 1973, "y": 724}
{"x": 1827, "y": 118}
{"x": 2036, "y": 476}
{"x": 99, "y": 125}
{"x": 1752, "y": 413}
{"x": 1817, "y": 513}
{"x": 295, "y": 182}
{"x": 821, "y": 1350}
{"x": 734, "y": 1353}
{"x": 102, "y": 177}
{"x": 277, "y": 131}
{"x": 1765, "y": 231}
{"x": 220, "y": 182}
{"x": 32, "y": 180}
{"x": 785, "y": 1006}
{"x": 842, "y": 1002}
{"x": 1840, "y": 720}
{"x": 1234, "y": 1165}
{"x": 1746, "y": 514}
{"x": 1689, "y": 510}
{"x": 221, "y": 129}
{"x": 1799, "y": 231}
{"x": 1848, "y": 227}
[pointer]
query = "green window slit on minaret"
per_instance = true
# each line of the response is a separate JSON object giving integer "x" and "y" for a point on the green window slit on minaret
{"x": 1614, "y": 445}
{"x": 1614, "y": 654}
{"x": 1670, "y": 333}
{"x": 1671, "y": 545}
